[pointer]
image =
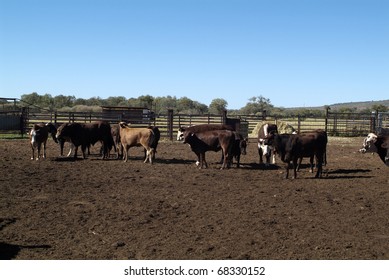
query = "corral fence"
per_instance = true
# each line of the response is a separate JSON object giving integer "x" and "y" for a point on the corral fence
{"x": 20, "y": 120}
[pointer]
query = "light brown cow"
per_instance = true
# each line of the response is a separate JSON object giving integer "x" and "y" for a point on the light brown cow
{"x": 38, "y": 136}
{"x": 135, "y": 137}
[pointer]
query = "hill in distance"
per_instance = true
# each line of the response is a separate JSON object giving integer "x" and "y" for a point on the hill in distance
{"x": 362, "y": 105}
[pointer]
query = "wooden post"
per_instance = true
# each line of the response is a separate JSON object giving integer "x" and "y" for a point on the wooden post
{"x": 224, "y": 117}
{"x": 170, "y": 124}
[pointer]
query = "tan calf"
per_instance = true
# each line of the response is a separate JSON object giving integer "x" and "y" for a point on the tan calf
{"x": 135, "y": 137}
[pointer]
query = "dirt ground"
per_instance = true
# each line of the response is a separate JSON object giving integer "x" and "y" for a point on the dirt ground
{"x": 59, "y": 208}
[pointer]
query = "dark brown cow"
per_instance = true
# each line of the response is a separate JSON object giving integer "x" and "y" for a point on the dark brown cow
{"x": 154, "y": 143}
{"x": 133, "y": 137}
{"x": 213, "y": 140}
{"x": 377, "y": 144}
{"x": 38, "y": 136}
{"x": 307, "y": 144}
{"x": 87, "y": 134}
{"x": 238, "y": 148}
{"x": 202, "y": 128}
{"x": 265, "y": 137}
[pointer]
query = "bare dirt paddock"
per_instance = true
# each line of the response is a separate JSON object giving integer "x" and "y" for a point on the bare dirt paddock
{"x": 107, "y": 209}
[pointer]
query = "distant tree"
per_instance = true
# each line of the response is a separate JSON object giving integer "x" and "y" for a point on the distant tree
{"x": 31, "y": 99}
{"x": 63, "y": 101}
{"x": 257, "y": 105}
{"x": 217, "y": 106}
{"x": 379, "y": 108}
{"x": 146, "y": 101}
{"x": 116, "y": 101}
{"x": 200, "y": 108}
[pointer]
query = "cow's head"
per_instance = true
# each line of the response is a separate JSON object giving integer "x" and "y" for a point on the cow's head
{"x": 368, "y": 144}
{"x": 180, "y": 134}
{"x": 52, "y": 130}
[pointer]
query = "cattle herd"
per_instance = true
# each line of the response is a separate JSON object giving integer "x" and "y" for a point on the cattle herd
{"x": 290, "y": 148}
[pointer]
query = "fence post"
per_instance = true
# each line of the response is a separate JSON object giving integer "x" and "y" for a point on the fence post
{"x": 224, "y": 117}
{"x": 170, "y": 124}
{"x": 373, "y": 122}
{"x": 326, "y": 119}
{"x": 298, "y": 123}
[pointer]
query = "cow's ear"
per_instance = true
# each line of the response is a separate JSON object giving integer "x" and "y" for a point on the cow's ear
{"x": 385, "y": 145}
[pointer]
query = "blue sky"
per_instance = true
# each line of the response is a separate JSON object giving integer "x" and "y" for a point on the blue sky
{"x": 296, "y": 52}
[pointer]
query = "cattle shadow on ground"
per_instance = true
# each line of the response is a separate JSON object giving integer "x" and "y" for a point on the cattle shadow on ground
{"x": 174, "y": 161}
{"x": 345, "y": 173}
{"x": 66, "y": 159}
{"x": 257, "y": 166}
{"x": 10, "y": 251}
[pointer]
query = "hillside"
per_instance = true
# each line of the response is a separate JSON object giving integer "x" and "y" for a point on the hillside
{"x": 362, "y": 105}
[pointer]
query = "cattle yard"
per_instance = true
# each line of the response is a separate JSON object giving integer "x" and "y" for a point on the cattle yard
{"x": 61, "y": 208}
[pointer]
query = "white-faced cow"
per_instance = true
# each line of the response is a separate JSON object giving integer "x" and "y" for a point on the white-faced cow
{"x": 377, "y": 144}
{"x": 307, "y": 144}
{"x": 38, "y": 136}
{"x": 265, "y": 137}
{"x": 85, "y": 135}
{"x": 133, "y": 137}
{"x": 212, "y": 140}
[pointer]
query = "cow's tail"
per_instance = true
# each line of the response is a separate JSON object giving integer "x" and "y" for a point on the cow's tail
{"x": 152, "y": 140}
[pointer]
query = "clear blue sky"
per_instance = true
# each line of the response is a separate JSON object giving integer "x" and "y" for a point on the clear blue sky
{"x": 296, "y": 53}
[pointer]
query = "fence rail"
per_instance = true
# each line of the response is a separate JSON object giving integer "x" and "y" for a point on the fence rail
{"x": 335, "y": 124}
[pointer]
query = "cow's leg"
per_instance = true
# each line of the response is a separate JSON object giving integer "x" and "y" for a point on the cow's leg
{"x": 83, "y": 150}
{"x": 260, "y": 153}
{"x": 319, "y": 163}
{"x": 149, "y": 155}
{"x": 295, "y": 168}
{"x": 70, "y": 149}
{"x": 225, "y": 159}
{"x": 44, "y": 149}
{"x": 287, "y": 170}
{"x": 125, "y": 152}
{"x": 273, "y": 158}
{"x": 75, "y": 152}
{"x": 39, "y": 151}
{"x": 33, "y": 152}
{"x": 267, "y": 159}
{"x": 311, "y": 164}
{"x": 237, "y": 160}
{"x": 202, "y": 160}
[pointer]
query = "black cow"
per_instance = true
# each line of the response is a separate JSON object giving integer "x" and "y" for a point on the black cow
{"x": 265, "y": 137}
{"x": 239, "y": 148}
{"x": 85, "y": 135}
{"x": 214, "y": 140}
{"x": 377, "y": 144}
{"x": 308, "y": 144}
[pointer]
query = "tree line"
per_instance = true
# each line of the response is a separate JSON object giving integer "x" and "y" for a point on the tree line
{"x": 183, "y": 105}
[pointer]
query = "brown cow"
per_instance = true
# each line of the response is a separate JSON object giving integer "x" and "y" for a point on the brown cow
{"x": 214, "y": 140}
{"x": 38, "y": 136}
{"x": 135, "y": 137}
{"x": 377, "y": 144}
{"x": 307, "y": 144}
{"x": 202, "y": 128}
